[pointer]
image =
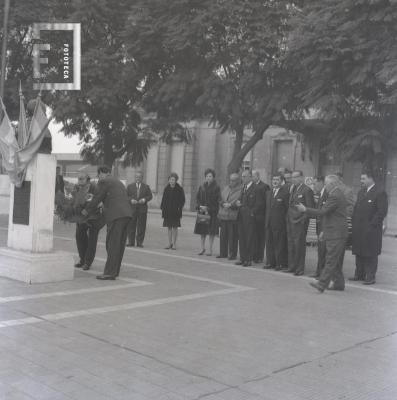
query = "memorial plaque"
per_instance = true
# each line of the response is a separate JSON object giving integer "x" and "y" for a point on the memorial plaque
{"x": 21, "y": 204}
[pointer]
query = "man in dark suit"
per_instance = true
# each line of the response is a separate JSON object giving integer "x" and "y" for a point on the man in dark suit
{"x": 334, "y": 230}
{"x": 248, "y": 205}
{"x": 117, "y": 210}
{"x": 139, "y": 194}
{"x": 298, "y": 223}
{"x": 276, "y": 226}
{"x": 59, "y": 182}
{"x": 367, "y": 222}
{"x": 260, "y": 229}
{"x": 321, "y": 195}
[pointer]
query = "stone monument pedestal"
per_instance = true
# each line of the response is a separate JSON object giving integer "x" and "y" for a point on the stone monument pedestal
{"x": 29, "y": 256}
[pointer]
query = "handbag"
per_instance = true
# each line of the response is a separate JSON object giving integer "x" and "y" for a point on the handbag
{"x": 203, "y": 219}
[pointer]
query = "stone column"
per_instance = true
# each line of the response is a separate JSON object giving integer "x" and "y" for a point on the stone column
{"x": 29, "y": 256}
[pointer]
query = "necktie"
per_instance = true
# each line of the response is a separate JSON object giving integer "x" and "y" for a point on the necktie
{"x": 137, "y": 190}
{"x": 274, "y": 192}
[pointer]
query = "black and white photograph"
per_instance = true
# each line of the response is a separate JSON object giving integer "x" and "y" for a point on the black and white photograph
{"x": 198, "y": 200}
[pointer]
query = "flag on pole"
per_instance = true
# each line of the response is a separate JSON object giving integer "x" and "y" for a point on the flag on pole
{"x": 37, "y": 132}
{"x": 8, "y": 142}
{"x": 22, "y": 123}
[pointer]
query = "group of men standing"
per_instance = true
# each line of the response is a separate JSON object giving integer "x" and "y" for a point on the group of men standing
{"x": 279, "y": 216}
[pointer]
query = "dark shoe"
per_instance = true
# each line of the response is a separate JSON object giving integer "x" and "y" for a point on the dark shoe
{"x": 278, "y": 268}
{"x": 355, "y": 278}
{"x": 288, "y": 270}
{"x": 201, "y": 252}
{"x": 317, "y": 286}
{"x": 258, "y": 261}
{"x": 231, "y": 258}
{"x": 220, "y": 256}
{"x": 268, "y": 267}
{"x": 247, "y": 264}
{"x": 314, "y": 276}
{"x": 139, "y": 245}
{"x": 209, "y": 254}
{"x": 371, "y": 282}
{"x": 106, "y": 277}
{"x": 239, "y": 263}
{"x": 298, "y": 273}
{"x": 173, "y": 248}
{"x": 86, "y": 267}
{"x": 78, "y": 265}
{"x": 130, "y": 245}
{"x": 168, "y": 247}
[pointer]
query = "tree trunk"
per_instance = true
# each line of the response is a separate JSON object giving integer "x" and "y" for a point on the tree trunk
{"x": 241, "y": 151}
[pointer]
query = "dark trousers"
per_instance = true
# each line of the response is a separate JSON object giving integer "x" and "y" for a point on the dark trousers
{"x": 296, "y": 233}
{"x": 366, "y": 267}
{"x": 260, "y": 235}
{"x": 228, "y": 238}
{"x": 321, "y": 252}
{"x": 137, "y": 228}
{"x": 86, "y": 241}
{"x": 246, "y": 237}
{"x": 276, "y": 247}
{"x": 116, "y": 237}
{"x": 335, "y": 252}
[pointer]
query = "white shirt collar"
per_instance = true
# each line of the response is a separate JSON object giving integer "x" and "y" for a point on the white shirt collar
{"x": 370, "y": 187}
{"x": 249, "y": 185}
{"x": 322, "y": 192}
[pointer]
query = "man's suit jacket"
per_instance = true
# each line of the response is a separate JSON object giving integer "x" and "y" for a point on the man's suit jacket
{"x": 368, "y": 215}
{"x": 249, "y": 202}
{"x": 262, "y": 190}
{"x": 277, "y": 209}
{"x": 144, "y": 193}
{"x": 113, "y": 194}
{"x": 300, "y": 194}
{"x": 333, "y": 215}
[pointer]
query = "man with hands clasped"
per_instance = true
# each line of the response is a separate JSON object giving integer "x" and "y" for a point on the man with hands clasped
{"x": 334, "y": 233}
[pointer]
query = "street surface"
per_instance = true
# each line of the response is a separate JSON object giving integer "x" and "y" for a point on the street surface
{"x": 178, "y": 326}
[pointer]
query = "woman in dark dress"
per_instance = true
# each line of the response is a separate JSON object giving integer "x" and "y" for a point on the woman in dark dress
{"x": 171, "y": 209}
{"x": 208, "y": 197}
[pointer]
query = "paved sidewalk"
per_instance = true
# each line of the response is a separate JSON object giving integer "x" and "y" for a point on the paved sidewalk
{"x": 177, "y": 326}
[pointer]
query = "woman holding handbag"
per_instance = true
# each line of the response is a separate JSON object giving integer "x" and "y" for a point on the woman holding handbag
{"x": 171, "y": 209}
{"x": 207, "y": 207}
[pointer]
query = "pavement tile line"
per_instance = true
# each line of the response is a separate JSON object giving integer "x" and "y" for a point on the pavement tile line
{"x": 275, "y": 273}
{"x": 72, "y": 292}
{"x": 120, "y": 307}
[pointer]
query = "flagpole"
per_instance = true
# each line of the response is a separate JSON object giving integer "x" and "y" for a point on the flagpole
{"x": 4, "y": 46}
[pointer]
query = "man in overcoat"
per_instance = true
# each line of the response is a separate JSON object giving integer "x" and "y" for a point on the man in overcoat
{"x": 367, "y": 223}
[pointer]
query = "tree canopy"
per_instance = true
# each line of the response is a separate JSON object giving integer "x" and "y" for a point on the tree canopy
{"x": 346, "y": 52}
{"x": 213, "y": 59}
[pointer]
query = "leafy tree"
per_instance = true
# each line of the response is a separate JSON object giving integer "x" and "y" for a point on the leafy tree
{"x": 215, "y": 59}
{"x": 346, "y": 55}
{"x": 103, "y": 113}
